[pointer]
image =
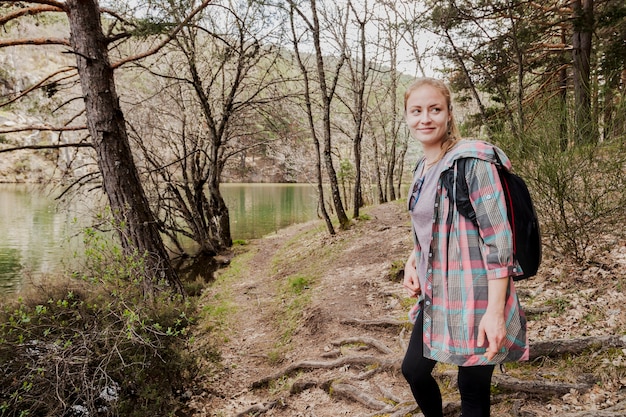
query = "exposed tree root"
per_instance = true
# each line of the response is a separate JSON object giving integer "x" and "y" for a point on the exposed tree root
{"x": 535, "y": 311}
{"x": 364, "y": 361}
{"x": 618, "y": 410}
{"x": 389, "y": 360}
{"x": 560, "y": 347}
{"x": 382, "y": 322}
{"x": 538, "y": 388}
{"x": 377, "y": 344}
{"x": 257, "y": 409}
{"x": 343, "y": 390}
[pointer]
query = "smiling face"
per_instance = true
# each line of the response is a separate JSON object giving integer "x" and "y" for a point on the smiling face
{"x": 428, "y": 116}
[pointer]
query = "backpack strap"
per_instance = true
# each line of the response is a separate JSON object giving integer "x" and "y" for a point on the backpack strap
{"x": 463, "y": 202}
{"x": 454, "y": 180}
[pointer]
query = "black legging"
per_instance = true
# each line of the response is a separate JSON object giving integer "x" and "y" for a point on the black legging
{"x": 474, "y": 381}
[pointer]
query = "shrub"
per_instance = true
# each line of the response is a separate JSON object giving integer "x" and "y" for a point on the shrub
{"x": 78, "y": 349}
{"x": 579, "y": 192}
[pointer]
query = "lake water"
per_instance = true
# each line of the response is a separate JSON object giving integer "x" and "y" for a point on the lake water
{"x": 36, "y": 234}
{"x": 259, "y": 209}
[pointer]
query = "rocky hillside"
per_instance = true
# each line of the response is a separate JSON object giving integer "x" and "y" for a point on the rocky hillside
{"x": 21, "y": 68}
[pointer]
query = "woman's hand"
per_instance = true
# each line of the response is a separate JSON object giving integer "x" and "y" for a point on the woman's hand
{"x": 492, "y": 327}
{"x": 411, "y": 281}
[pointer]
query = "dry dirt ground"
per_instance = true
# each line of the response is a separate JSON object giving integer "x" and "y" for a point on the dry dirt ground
{"x": 334, "y": 348}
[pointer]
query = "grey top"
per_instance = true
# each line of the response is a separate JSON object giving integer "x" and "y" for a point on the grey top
{"x": 423, "y": 213}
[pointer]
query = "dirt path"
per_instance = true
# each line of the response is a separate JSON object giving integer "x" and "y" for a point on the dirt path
{"x": 343, "y": 351}
{"x": 355, "y": 286}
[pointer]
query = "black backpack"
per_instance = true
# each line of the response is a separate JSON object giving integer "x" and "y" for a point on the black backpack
{"x": 521, "y": 214}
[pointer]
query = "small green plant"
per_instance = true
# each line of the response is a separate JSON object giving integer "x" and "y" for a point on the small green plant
{"x": 274, "y": 357}
{"x": 298, "y": 284}
{"x": 559, "y": 304}
{"x": 396, "y": 272}
{"x": 279, "y": 385}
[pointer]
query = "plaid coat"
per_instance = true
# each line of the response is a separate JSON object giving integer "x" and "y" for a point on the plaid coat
{"x": 463, "y": 258}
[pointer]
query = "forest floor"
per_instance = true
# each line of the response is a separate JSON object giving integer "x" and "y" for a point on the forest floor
{"x": 313, "y": 325}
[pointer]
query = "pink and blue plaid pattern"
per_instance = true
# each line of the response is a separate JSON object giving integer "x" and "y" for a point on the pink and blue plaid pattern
{"x": 463, "y": 259}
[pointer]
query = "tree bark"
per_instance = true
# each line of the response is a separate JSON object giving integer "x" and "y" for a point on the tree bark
{"x": 563, "y": 139}
{"x": 581, "y": 64}
{"x": 359, "y": 74}
{"x": 105, "y": 121}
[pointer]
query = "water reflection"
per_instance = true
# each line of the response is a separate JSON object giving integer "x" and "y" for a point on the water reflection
{"x": 38, "y": 238}
{"x": 10, "y": 265}
{"x": 32, "y": 234}
{"x": 259, "y": 209}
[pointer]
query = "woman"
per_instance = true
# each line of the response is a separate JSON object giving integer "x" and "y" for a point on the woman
{"x": 467, "y": 313}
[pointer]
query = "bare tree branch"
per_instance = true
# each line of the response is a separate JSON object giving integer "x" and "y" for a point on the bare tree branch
{"x": 165, "y": 41}
{"x": 35, "y": 41}
{"x": 58, "y": 4}
{"x": 44, "y": 128}
{"x": 39, "y": 84}
{"x": 58, "y": 146}
{"x": 29, "y": 11}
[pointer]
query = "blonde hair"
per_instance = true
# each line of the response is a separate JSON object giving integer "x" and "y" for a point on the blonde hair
{"x": 454, "y": 136}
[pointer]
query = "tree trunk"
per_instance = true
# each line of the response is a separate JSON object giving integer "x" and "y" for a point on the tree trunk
{"x": 581, "y": 64}
{"x": 344, "y": 221}
{"x": 474, "y": 90}
{"x": 137, "y": 229}
{"x": 309, "y": 114}
{"x": 212, "y": 211}
{"x": 328, "y": 93}
{"x": 359, "y": 79}
{"x": 563, "y": 141}
{"x": 377, "y": 170}
{"x": 393, "y": 100}
{"x": 219, "y": 225}
{"x": 358, "y": 195}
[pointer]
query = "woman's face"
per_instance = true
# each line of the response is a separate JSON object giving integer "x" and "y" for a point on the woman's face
{"x": 427, "y": 115}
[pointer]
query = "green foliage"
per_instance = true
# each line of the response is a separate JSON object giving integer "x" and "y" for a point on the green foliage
{"x": 579, "y": 191}
{"x": 105, "y": 261}
{"x": 93, "y": 348}
{"x": 143, "y": 28}
{"x": 104, "y": 342}
{"x": 346, "y": 170}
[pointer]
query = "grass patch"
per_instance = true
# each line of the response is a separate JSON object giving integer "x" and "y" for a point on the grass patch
{"x": 294, "y": 297}
{"x": 293, "y": 253}
{"x": 219, "y": 307}
{"x": 294, "y": 292}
